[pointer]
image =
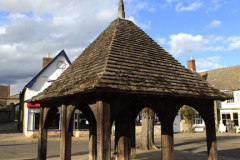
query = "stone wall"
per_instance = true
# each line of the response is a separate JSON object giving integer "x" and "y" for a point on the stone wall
{"x": 77, "y": 133}
{"x": 7, "y": 115}
{"x": 34, "y": 134}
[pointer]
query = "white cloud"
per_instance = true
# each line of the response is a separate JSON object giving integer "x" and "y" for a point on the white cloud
{"x": 209, "y": 63}
{"x": 161, "y": 40}
{"x": 34, "y": 28}
{"x": 234, "y": 42}
{"x": 235, "y": 45}
{"x": 170, "y": 1}
{"x": 142, "y": 25}
{"x": 233, "y": 39}
{"x": 214, "y": 24}
{"x": 2, "y": 30}
{"x": 218, "y": 48}
{"x": 191, "y": 7}
{"x": 132, "y": 19}
{"x": 184, "y": 43}
{"x": 215, "y": 7}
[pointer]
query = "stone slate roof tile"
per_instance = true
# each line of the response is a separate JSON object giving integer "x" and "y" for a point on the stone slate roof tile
{"x": 124, "y": 58}
{"x": 224, "y": 78}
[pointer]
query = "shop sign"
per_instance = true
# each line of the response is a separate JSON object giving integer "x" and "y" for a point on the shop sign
{"x": 31, "y": 105}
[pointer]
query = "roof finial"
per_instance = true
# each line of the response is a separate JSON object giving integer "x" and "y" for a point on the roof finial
{"x": 191, "y": 57}
{"x": 121, "y": 13}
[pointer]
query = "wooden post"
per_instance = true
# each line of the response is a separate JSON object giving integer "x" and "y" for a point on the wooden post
{"x": 133, "y": 138}
{"x": 123, "y": 134}
{"x": 211, "y": 133}
{"x": 167, "y": 140}
{"x": 167, "y": 131}
{"x": 66, "y": 136}
{"x": 92, "y": 142}
{"x": 103, "y": 131}
{"x": 42, "y": 138}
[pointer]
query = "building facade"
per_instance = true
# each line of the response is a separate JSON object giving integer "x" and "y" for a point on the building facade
{"x": 4, "y": 94}
{"x": 227, "y": 81}
{"x": 29, "y": 113}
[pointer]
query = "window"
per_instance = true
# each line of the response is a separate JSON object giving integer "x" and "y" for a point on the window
{"x": 231, "y": 94}
{"x": 80, "y": 121}
{"x": 54, "y": 124}
{"x": 197, "y": 119}
{"x": 33, "y": 118}
{"x": 235, "y": 119}
{"x": 84, "y": 124}
{"x": 225, "y": 117}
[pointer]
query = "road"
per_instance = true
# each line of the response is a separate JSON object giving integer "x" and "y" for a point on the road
{"x": 187, "y": 146}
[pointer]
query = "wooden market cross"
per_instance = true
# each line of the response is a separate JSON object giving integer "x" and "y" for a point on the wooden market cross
{"x": 122, "y": 71}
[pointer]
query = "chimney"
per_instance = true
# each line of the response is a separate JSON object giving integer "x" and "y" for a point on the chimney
{"x": 46, "y": 60}
{"x": 191, "y": 64}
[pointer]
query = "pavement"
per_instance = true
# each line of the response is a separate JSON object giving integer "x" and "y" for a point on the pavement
{"x": 187, "y": 146}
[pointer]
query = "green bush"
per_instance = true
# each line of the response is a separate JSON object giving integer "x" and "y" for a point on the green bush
{"x": 3, "y": 107}
{"x": 16, "y": 115}
{"x": 189, "y": 113}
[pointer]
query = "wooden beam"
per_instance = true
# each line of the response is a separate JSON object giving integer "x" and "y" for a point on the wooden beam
{"x": 103, "y": 131}
{"x": 42, "y": 138}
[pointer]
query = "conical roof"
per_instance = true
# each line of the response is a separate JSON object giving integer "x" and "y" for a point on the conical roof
{"x": 125, "y": 59}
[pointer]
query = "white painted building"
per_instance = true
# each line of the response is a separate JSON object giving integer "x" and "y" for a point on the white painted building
{"x": 226, "y": 80}
{"x": 52, "y": 69}
{"x": 230, "y": 109}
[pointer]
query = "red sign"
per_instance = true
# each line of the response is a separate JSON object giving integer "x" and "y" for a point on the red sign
{"x": 31, "y": 105}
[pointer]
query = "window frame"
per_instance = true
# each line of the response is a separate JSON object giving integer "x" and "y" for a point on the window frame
{"x": 232, "y": 100}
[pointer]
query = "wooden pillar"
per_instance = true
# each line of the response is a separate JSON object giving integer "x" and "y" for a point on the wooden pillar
{"x": 167, "y": 131}
{"x": 42, "y": 138}
{"x": 123, "y": 134}
{"x": 66, "y": 136}
{"x": 133, "y": 138}
{"x": 103, "y": 131}
{"x": 211, "y": 133}
{"x": 92, "y": 141}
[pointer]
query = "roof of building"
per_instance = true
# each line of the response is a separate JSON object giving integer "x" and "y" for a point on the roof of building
{"x": 224, "y": 78}
{"x": 125, "y": 59}
{"x": 30, "y": 84}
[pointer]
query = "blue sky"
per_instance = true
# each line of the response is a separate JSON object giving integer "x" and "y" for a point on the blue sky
{"x": 205, "y": 29}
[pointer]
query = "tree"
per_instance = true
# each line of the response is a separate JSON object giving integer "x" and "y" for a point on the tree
{"x": 188, "y": 112}
{"x": 147, "y": 134}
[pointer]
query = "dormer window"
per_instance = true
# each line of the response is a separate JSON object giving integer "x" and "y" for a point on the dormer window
{"x": 230, "y": 94}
